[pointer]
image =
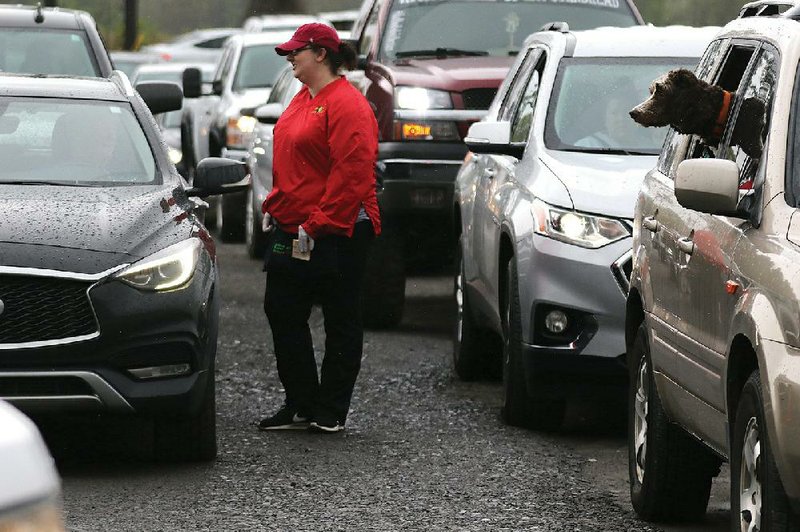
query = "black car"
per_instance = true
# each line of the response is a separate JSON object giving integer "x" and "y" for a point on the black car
{"x": 108, "y": 279}
{"x": 36, "y": 40}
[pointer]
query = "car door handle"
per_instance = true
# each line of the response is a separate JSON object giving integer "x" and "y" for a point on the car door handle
{"x": 686, "y": 245}
{"x": 489, "y": 172}
{"x": 650, "y": 223}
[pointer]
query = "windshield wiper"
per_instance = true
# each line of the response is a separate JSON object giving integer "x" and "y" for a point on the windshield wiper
{"x": 609, "y": 151}
{"x": 440, "y": 52}
{"x": 51, "y": 183}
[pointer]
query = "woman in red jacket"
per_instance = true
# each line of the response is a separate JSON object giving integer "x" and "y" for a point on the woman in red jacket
{"x": 323, "y": 214}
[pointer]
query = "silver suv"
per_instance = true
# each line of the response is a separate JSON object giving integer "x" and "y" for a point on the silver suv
{"x": 712, "y": 328}
{"x": 544, "y": 207}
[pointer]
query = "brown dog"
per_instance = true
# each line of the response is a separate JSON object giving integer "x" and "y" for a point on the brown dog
{"x": 694, "y": 107}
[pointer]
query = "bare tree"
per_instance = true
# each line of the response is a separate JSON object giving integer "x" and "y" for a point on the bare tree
{"x": 263, "y": 7}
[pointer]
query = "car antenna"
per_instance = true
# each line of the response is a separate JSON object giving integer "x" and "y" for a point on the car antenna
{"x": 38, "y": 17}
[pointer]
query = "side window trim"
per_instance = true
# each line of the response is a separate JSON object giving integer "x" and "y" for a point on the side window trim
{"x": 517, "y": 86}
{"x": 737, "y": 105}
{"x": 792, "y": 172}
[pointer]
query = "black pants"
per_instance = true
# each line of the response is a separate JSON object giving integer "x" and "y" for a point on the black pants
{"x": 333, "y": 279}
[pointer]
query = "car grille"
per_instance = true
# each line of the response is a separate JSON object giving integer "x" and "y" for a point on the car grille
{"x": 622, "y": 269}
{"x": 40, "y": 309}
{"x": 478, "y": 98}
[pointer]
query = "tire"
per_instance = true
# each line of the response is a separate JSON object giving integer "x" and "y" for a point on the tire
{"x": 190, "y": 439}
{"x": 231, "y": 216}
{"x": 758, "y": 500}
{"x": 670, "y": 472}
{"x": 536, "y": 408}
{"x": 254, "y": 238}
{"x": 384, "y": 288}
{"x": 471, "y": 347}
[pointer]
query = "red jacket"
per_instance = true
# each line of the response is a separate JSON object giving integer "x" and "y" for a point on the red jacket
{"x": 323, "y": 167}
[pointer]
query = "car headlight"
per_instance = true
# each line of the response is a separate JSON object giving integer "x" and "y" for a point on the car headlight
{"x": 584, "y": 230}
{"x": 175, "y": 155}
{"x": 239, "y": 130}
{"x": 170, "y": 268}
{"x": 420, "y": 99}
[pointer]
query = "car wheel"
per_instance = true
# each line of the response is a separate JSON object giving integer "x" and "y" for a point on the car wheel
{"x": 254, "y": 237}
{"x": 670, "y": 472}
{"x": 534, "y": 408}
{"x": 190, "y": 439}
{"x": 384, "y": 287}
{"x": 231, "y": 216}
{"x": 758, "y": 500}
{"x": 471, "y": 351}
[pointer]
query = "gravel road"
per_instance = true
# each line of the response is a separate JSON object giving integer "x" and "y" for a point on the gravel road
{"x": 422, "y": 451}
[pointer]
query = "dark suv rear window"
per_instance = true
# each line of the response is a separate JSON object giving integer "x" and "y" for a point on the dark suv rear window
{"x": 46, "y": 51}
{"x": 489, "y": 27}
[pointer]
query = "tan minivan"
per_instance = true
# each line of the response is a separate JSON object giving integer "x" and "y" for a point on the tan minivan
{"x": 713, "y": 313}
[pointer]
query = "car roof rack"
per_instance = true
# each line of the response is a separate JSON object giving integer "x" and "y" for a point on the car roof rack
{"x": 561, "y": 26}
{"x": 765, "y": 8}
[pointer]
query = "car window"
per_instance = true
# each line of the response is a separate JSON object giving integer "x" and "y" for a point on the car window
{"x": 371, "y": 27}
{"x": 518, "y": 85}
{"x": 212, "y": 43}
{"x": 592, "y": 97}
{"x": 54, "y": 52}
{"x": 257, "y": 68}
{"x": 491, "y": 27}
{"x": 523, "y": 117}
{"x": 73, "y": 142}
{"x": 280, "y": 86}
{"x": 224, "y": 64}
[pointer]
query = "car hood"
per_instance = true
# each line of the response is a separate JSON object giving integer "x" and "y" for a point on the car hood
{"x": 598, "y": 183}
{"x": 452, "y": 73}
{"x": 88, "y": 229}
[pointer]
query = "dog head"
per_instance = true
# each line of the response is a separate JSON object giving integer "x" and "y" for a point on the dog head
{"x": 669, "y": 95}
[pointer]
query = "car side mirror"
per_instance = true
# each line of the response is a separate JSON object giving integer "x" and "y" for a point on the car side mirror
{"x": 493, "y": 138}
{"x": 160, "y": 96}
{"x": 192, "y": 83}
{"x": 217, "y": 175}
{"x": 216, "y": 87}
{"x": 708, "y": 185}
{"x": 269, "y": 113}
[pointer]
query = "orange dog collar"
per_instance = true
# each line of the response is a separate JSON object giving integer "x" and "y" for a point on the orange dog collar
{"x": 719, "y": 125}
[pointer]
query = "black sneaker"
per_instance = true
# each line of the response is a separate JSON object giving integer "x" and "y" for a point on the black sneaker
{"x": 284, "y": 419}
{"x": 327, "y": 427}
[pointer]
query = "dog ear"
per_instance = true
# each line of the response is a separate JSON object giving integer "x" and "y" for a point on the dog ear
{"x": 750, "y": 125}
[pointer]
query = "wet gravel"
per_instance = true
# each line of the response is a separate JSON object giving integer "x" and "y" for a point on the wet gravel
{"x": 422, "y": 451}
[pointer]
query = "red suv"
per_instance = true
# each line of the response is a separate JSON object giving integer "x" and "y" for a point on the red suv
{"x": 430, "y": 69}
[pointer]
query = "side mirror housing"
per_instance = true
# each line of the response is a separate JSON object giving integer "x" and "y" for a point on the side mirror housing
{"x": 269, "y": 113}
{"x": 192, "y": 83}
{"x": 708, "y": 185}
{"x": 217, "y": 175}
{"x": 216, "y": 87}
{"x": 493, "y": 138}
{"x": 161, "y": 96}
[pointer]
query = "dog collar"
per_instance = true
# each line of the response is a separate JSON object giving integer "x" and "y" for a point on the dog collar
{"x": 719, "y": 126}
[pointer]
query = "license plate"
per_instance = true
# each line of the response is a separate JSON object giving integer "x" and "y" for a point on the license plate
{"x": 427, "y": 197}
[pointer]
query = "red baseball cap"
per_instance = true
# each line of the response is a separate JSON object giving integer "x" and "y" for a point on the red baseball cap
{"x": 312, "y": 33}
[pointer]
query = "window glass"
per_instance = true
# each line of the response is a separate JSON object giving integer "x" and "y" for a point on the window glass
{"x": 258, "y": 66}
{"x": 73, "y": 142}
{"x": 371, "y": 27}
{"x": 521, "y": 125}
{"x": 490, "y": 27}
{"x": 53, "y": 52}
{"x": 521, "y": 78}
{"x": 592, "y": 98}
{"x": 710, "y": 59}
{"x": 212, "y": 43}
{"x": 280, "y": 86}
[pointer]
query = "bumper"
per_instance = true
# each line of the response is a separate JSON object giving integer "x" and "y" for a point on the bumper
{"x": 172, "y": 331}
{"x": 782, "y": 364}
{"x": 418, "y": 177}
{"x": 588, "y": 285}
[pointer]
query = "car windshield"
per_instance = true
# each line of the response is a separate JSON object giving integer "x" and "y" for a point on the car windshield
{"x": 70, "y": 142}
{"x": 493, "y": 27}
{"x": 258, "y": 67}
{"x": 591, "y": 100}
{"x": 53, "y": 52}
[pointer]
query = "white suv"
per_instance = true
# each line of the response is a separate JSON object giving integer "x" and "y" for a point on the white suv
{"x": 713, "y": 312}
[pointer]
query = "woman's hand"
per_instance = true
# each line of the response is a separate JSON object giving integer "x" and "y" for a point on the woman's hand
{"x": 304, "y": 242}
{"x": 266, "y": 223}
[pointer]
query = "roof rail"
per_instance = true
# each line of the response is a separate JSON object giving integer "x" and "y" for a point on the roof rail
{"x": 563, "y": 27}
{"x": 765, "y": 8}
